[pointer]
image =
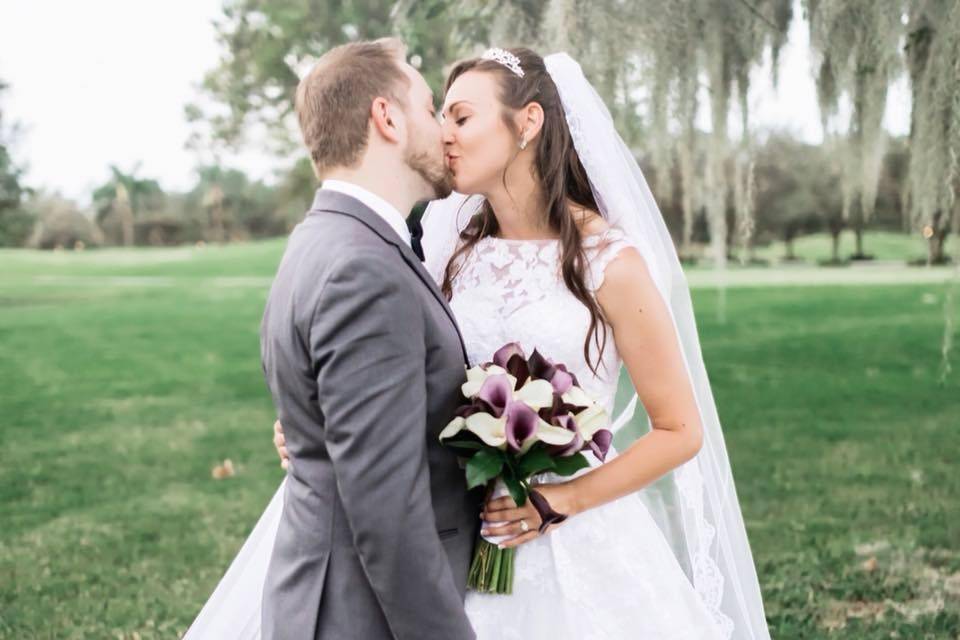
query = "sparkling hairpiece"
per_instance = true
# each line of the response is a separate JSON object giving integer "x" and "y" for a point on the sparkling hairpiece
{"x": 505, "y": 58}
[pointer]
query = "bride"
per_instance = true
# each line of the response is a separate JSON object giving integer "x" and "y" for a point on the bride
{"x": 561, "y": 247}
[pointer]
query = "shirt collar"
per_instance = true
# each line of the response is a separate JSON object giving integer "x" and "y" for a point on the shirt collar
{"x": 381, "y": 207}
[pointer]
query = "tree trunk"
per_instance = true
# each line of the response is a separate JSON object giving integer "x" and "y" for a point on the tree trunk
{"x": 935, "y": 247}
{"x": 835, "y": 246}
{"x": 126, "y": 223}
{"x": 858, "y": 232}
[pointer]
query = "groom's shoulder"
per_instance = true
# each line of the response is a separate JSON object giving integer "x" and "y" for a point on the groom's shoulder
{"x": 326, "y": 243}
{"x": 328, "y": 235}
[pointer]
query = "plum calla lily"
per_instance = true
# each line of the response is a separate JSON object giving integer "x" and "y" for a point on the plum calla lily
{"x": 507, "y": 351}
{"x": 496, "y": 393}
{"x": 521, "y": 425}
{"x": 600, "y": 444}
{"x": 562, "y": 381}
{"x": 478, "y": 375}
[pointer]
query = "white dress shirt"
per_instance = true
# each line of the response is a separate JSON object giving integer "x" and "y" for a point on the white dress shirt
{"x": 381, "y": 207}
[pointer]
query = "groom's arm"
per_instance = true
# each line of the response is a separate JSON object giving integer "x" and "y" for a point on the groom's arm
{"x": 368, "y": 351}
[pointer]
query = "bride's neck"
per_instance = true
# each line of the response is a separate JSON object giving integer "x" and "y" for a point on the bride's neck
{"x": 520, "y": 210}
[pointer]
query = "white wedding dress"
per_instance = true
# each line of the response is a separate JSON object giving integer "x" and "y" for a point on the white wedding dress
{"x": 609, "y": 572}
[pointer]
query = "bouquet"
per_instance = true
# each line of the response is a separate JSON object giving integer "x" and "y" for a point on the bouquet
{"x": 521, "y": 416}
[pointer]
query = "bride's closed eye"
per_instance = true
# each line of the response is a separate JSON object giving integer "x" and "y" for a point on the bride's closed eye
{"x": 460, "y": 121}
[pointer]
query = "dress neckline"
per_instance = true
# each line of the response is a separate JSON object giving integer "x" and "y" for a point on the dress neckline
{"x": 589, "y": 239}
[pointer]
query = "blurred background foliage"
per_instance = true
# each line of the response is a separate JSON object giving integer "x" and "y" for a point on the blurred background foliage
{"x": 725, "y": 188}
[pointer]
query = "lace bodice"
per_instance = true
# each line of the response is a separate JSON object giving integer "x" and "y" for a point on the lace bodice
{"x": 513, "y": 291}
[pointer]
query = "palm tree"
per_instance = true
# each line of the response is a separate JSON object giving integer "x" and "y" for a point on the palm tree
{"x": 125, "y": 196}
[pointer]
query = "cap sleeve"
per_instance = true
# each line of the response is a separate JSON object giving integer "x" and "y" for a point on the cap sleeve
{"x": 601, "y": 249}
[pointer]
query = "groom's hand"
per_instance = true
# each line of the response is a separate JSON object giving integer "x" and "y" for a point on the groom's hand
{"x": 281, "y": 445}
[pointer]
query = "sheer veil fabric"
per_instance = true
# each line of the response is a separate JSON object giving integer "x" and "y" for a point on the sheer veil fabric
{"x": 696, "y": 507}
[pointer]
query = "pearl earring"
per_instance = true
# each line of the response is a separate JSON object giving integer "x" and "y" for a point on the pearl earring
{"x": 523, "y": 142}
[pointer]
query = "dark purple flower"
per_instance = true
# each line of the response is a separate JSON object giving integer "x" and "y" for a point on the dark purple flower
{"x": 546, "y": 369}
{"x": 541, "y": 367}
{"x": 496, "y": 393}
{"x": 562, "y": 381}
{"x": 559, "y": 408}
{"x": 521, "y": 424}
{"x": 507, "y": 351}
{"x": 600, "y": 444}
{"x": 563, "y": 368}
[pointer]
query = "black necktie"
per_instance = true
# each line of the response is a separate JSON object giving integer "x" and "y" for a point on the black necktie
{"x": 416, "y": 233}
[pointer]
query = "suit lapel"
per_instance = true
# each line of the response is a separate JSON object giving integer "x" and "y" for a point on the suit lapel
{"x": 335, "y": 202}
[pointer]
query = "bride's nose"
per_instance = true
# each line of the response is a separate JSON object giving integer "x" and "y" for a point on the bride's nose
{"x": 447, "y": 133}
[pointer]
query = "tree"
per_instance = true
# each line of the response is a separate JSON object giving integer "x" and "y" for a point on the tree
{"x": 15, "y": 222}
{"x": 933, "y": 60}
{"x": 61, "y": 225}
{"x": 717, "y": 42}
{"x": 796, "y": 191}
{"x": 266, "y": 45}
{"x": 232, "y": 206}
{"x": 856, "y": 42}
{"x": 121, "y": 199}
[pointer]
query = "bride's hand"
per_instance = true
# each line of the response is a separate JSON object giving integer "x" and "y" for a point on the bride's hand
{"x": 561, "y": 497}
{"x": 281, "y": 444}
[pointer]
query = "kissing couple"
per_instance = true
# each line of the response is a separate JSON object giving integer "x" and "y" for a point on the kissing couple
{"x": 541, "y": 233}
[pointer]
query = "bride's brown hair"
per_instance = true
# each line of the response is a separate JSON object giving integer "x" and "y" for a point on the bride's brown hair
{"x": 559, "y": 170}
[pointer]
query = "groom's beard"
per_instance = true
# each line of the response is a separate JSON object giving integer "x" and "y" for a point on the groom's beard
{"x": 435, "y": 174}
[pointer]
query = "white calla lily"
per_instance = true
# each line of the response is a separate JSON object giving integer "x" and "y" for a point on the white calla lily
{"x": 549, "y": 434}
{"x": 489, "y": 429}
{"x": 477, "y": 376}
{"x": 456, "y": 426}
{"x": 536, "y": 394}
{"x": 591, "y": 420}
{"x": 577, "y": 397}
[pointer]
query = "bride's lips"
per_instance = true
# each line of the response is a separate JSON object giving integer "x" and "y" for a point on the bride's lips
{"x": 450, "y": 160}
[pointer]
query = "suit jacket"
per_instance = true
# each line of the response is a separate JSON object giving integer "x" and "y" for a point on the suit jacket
{"x": 364, "y": 361}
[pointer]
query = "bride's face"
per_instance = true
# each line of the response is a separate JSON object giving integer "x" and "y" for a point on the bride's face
{"x": 477, "y": 143}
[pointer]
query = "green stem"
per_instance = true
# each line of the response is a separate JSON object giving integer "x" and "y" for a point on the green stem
{"x": 491, "y": 570}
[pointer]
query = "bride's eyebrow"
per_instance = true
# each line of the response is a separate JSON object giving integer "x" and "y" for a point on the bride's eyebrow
{"x": 450, "y": 108}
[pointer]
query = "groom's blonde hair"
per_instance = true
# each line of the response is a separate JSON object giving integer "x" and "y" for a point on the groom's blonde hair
{"x": 333, "y": 100}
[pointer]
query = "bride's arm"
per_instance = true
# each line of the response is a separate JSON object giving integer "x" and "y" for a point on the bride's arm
{"x": 647, "y": 341}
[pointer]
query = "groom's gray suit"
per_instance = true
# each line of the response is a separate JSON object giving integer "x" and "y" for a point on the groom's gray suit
{"x": 364, "y": 362}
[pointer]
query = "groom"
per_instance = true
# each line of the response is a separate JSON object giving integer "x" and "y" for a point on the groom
{"x": 364, "y": 362}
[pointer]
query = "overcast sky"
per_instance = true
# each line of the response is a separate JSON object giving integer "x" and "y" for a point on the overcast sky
{"x": 105, "y": 81}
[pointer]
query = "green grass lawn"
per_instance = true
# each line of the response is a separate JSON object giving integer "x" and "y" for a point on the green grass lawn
{"x": 882, "y": 245}
{"x": 119, "y": 395}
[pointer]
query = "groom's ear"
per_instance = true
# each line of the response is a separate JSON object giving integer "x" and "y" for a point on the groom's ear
{"x": 530, "y": 121}
{"x": 385, "y": 116}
